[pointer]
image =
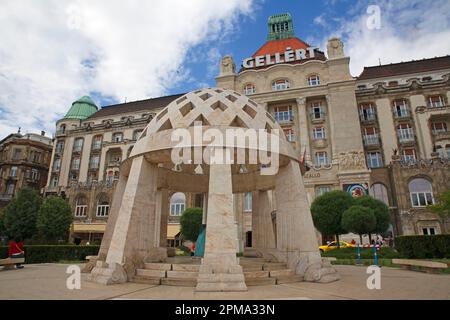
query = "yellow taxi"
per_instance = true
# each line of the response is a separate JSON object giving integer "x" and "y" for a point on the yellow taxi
{"x": 334, "y": 245}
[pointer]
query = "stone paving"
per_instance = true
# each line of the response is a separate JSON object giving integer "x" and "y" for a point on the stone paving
{"x": 48, "y": 281}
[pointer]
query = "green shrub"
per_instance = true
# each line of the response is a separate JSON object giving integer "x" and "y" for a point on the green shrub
{"x": 424, "y": 247}
{"x": 53, "y": 253}
{"x": 191, "y": 223}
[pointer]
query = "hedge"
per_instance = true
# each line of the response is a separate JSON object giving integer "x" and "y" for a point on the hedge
{"x": 53, "y": 253}
{"x": 424, "y": 247}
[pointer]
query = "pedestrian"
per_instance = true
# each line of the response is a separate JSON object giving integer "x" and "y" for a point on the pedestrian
{"x": 192, "y": 249}
{"x": 16, "y": 251}
{"x": 353, "y": 242}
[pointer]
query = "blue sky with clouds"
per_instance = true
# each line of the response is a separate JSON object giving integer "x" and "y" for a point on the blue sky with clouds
{"x": 53, "y": 52}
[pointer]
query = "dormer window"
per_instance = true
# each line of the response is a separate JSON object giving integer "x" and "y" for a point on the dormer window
{"x": 249, "y": 89}
{"x": 314, "y": 80}
{"x": 282, "y": 84}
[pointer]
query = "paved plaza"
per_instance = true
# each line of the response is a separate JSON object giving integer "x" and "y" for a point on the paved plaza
{"x": 48, "y": 281}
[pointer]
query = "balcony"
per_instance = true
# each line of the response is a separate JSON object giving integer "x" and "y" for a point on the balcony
{"x": 372, "y": 140}
{"x": 368, "y": 117}
{"x": 60, "y": 133}
{"x": 284, "y": 117}
{"x": 114, "y": 163}
{"x": 317, "y": 117}
{"x": 441, "y": 135}
{"x": 320, "y": 143}
{"x": 406, "y": 139}
{"x": 402, "y": 114}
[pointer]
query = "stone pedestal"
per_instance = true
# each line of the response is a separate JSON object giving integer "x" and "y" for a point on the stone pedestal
{"x": 220, "y": 270}
{"x": 296, "y": 239}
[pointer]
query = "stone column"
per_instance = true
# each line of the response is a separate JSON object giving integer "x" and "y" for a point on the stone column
{"x": 239, "y": 218}
{"x": 164, "y": 209}
{"x": 132, "y": 240}
{"x": 220, "y": 270}
{"x": 303, "y": 133}
{"x": 262, "y": 229}
{"x": 205, "y": 208}
{"x": 296, "y": 238}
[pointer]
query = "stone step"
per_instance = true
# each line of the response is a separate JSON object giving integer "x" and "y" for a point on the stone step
{"x": 256, "y": 274}
{"x": 146, "y": 280}
{"x": 182, "y": 275}
{"x": 151, "y": 273}
{"x": 252, "y": 268}
{"x": 186, "y": 267}
{"x": 179, "y": 282}
{"x": 158, "y": 266}
{"x": 260, "y": 281}
{"x": 289, "y": 279}
{"x": 274, "y": 266}
{"x": 281, "y": 273}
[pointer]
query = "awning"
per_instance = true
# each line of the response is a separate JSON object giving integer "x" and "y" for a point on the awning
{"x": 89, "y": 227}
{"x": 173, "y": 230}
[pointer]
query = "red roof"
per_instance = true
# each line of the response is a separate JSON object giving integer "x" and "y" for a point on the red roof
{"x": 396, "y": 69}
{"x": 274, "y": 46}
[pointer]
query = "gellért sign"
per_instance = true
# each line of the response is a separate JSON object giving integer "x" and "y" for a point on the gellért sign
{"x": 288, "y": 56}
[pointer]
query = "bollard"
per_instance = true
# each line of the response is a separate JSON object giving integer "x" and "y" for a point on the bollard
{"x": 375, "y": 255}
{"x": 359, "y": 255}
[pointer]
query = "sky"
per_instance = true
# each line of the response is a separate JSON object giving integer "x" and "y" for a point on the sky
{"x": 53, "y": 52}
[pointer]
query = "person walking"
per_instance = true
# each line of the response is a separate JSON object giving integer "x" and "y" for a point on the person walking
{"x": 16, "y": 251}
{"x": 192, "y": 249}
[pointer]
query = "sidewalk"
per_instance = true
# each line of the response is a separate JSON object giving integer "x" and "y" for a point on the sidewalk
{"x": 48, "y": 281}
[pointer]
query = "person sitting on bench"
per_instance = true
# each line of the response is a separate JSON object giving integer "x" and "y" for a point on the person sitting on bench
{"x": 16, "y": 251}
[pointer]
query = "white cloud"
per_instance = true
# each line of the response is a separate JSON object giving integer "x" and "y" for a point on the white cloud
{"x": 53, "y": 52}
{"x": 410, "y": 29}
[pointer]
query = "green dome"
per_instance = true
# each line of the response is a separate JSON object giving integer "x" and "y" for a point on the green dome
{"x": 82, "y": 109}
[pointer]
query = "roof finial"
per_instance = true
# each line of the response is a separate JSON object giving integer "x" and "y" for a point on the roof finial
{"x": 18, "y": 131}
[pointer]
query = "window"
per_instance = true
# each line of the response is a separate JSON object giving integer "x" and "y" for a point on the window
{"x": 401, "y": 109}
{"x": 34, "y": 175}
{"x": 81, "y": 207}
{"x": 421, "y": 192}
{"x": 249, "y": 89}
{"x": 447, "y": 148}
{"x": 289, "y": 133}
{"x": 17, "y": 154}
{"x": 370, "y": 136}
{"x": 59, "y": 147}
{"x": 280, "y": 85}
{"x": 441, "y": 152}
{"x": 314, "y": 80}
{"x": 13, "y": 172}
{"x": 102, "y": 207}
{"x": 374, "y": 160}
{"x": 177, "y": 204}
{"x": 248, "y": 201}
{"x": 56, "y": 165}
{"x": 319, "y": 133}
{"x": 78, "y": 145}
{"x": 322, "y": 189}
{"x": 117, "y": 137}
{"x": 436, "y": 102}
{"x": 54, "y": 181}
{"x": 136, "y": 134}
{"x": 317, "y": 111}
{"x": 409, "y": 155}
{"x": 10, "y": 188}
{"x": 438, "y": 127}
{"x": 428, "y": 231}
{"x": 379, "y": 192}
{"x": 405, "y": 132}
{"x": 75, "y": 163}
{"x": 283, "y": 114}
{"x": 62, "y": 129}
{"x": 321, "y": 158}
{"x": 35, "y": 157}
{"x": 367, "y": 112}
{"x": 94, "y": 162}
{"x": 97, "y": 142}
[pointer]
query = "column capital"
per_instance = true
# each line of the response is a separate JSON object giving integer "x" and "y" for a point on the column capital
{"x": 301, "y": 100}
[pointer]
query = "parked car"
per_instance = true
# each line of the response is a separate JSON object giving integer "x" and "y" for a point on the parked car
{"x": 334, "y": 245}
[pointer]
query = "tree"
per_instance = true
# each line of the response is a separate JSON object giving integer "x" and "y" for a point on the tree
{"x": 54, "y": 219}
{"x": 442, "y": 207}
{"x": 20, "y": 214}
{"x": 191, "y": 222}
{"x": 359, "y": 220}
{"x": 327, "y": 212}
{"x": 381, "y": 212}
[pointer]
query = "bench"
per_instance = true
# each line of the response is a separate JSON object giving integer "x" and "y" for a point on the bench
{"x": 9, "y": 263}
{"x": 428, "y": 266}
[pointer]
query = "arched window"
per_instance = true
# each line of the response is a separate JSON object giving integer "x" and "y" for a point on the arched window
{"x": 81, "y": 206}
{"x": 314, "y": 80}
{"x": 421, "y": 192}
{"x": 379, "y": 192}
{"x": 177, "y": 204}
{"x": 281, "y": 84}
{"x": 117, "y": 137}
{"x": 103, "y": 206}
{"x": 249, "y": 89}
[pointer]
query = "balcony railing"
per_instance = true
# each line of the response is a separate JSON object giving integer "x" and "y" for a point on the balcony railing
{"x": 371, "y": 140}
{"x": 368, "y": 117}
{"x": 284, "y": 117}
{"x": 406, "y": 136}
{"x": 441, "y": 135}
{"x": 402, "y": 114}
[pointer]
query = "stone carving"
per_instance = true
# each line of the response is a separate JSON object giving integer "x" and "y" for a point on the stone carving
{"x": 227, "y": 66}
{"x": 335, "y": 48}
{"x": 352, "y": 160}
